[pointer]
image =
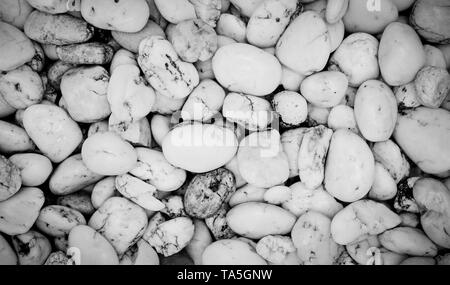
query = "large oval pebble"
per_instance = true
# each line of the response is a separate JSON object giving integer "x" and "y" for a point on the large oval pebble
{"x": 52, "y": 130}
{"x": 256, "y": 220}
{"x": 348, "y": 153}
{"x": 244, "y": 68}
{"x": 424, "y": 134}
{"x": 108, "y": 154}
{"x": 199, "y": 148}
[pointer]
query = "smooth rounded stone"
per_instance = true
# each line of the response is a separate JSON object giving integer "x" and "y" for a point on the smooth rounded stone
{"x": 129, "y": 96}
{"x": 357, "y": 58}
{"x": 199, "y": 242}
{"x": 312, "y": 154}
{"x": 204, "y": 102}
{"x": 169, "y": 237}
{"x": 140, "y": 254}
{"x": 108, "y": 154}
{"x": 342, "y": 117}
{"x": 16, "y": 48}
{"x": 410, "y": 241}
{"x": 275, "y": 248}
{"x": 432, "y": 86}
{"x": 79, "y": 201}
{"x": 361, "y": 218}
{"x": 10, "y": 177}
{"x": 103, "y": 190}
{"x": 430, "y": 19}
{"x": 199, "y": 147}
{"x": 241, "y": 67}
{"x": 20, "y": 211}
{"x": 291, "y": 141}
{"x": 120, "y": 221}
{"x": 324, "y": 89}
{"x": 130, "y": 41}
{"x": 34, "y": 168}
{"x": 268, "y": 22}
{"x": 138, "y": 192}
{"x": 85, "y": 53}
{"x": 370, "y": 17}
{"x": 21, "y": 87}
{"x": 52, "y": 130}
{"x": 292, "y": 108}
{"x": 84, "y": 90}
{"x": 348, "y": 153}
{"x": 434, "y": 57}
{"x": 418, "y": 261}
{"x": 230, "y": 27}
{"x": 384, "y": 186}
{"x": 312, "y": 238}
{"x": 206, "y": 192}
{"x": 255, "y": 220}
{"x": 251, "y": 112}
{"x": 153, "y": 168}
{"x": 124, "y": 16}
{"x": 72, "y": 175}
{"x": 7, "y": 254}
{"x": 261, "y": 159}
{"x": 401, "y": 54}
{"x": 160, "y": 127}
{"x": 390, "y": 156}
{"x": 375, "y": 111}
{"x": 247, "y": 193}
{"x": 32, "y": 248}
{"x": 218, "y": 225}
{"x": 193, "y": 40}
{"x": 231, "y": 252}
{"x": 15, "y": 12}
{"x": 56, "y": 220}
{"x": 302, "y": 199}
{"x": 59, "y": 29}
{"x": 305, "y": 45}
{"x": 92, "y": 248}
{"x": 164, "y": 70}
{"x": 423, "y": 134}
{"x": 176, "y": 11}
{"x": 277, "y": 195}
